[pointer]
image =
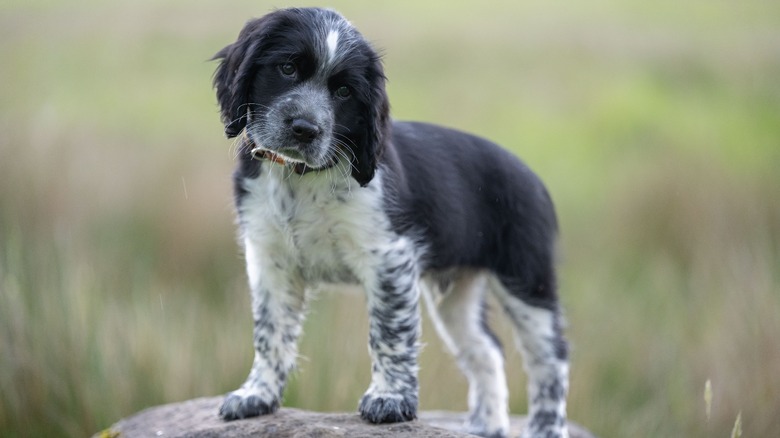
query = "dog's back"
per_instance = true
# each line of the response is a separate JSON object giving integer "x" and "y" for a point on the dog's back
{"x": 476, "y": 204}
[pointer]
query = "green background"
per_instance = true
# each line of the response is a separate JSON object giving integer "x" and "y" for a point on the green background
{"x": 656, "y": 126}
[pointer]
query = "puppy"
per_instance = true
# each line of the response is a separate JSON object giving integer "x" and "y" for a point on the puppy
{"x": 329, "y": 189}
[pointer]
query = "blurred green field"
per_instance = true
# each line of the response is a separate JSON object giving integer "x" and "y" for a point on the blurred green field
{"x": 656, "y": 126}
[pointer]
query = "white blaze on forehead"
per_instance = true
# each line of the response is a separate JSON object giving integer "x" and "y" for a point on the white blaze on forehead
{"x": 332, "y": 41}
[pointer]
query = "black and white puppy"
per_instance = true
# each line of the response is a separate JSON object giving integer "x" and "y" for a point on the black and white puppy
{"x": 330, "y": 190}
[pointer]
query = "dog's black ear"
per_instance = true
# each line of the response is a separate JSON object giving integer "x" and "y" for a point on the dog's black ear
{"x": 233, "y": 76}
{"x": 377, "y": 126}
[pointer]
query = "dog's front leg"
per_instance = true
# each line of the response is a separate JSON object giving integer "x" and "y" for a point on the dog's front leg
{"x": 394, "y": 329}
{"x": 277, "y": 307}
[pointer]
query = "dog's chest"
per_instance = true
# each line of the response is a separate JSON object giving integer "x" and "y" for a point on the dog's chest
{"x": 318, "y": 232}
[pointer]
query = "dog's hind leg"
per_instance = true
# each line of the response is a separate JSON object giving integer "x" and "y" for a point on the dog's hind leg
{"x": 539, "y": 337}
{"x": 456, "y": 306}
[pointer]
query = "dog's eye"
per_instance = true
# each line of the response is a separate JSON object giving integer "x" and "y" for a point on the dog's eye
{"x": 288, "y": 69}
{"x": 343, "y": 92}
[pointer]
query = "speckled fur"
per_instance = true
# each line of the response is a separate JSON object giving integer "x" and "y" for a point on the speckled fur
{"x": 301, "y": 232}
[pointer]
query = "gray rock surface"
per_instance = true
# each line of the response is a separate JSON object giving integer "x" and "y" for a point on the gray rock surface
{"x": 198, "y": 419}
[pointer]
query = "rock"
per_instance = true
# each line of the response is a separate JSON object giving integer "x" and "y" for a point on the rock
{"x": 198, "y": 419}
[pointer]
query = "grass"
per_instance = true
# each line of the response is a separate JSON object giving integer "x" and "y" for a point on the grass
{"x": 655, "y": 125}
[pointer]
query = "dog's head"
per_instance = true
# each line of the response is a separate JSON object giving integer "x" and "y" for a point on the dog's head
{"x": 307, "y": 87}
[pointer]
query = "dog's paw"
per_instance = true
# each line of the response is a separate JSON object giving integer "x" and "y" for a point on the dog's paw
{"x": 388, "y": 408}
{"x": 244, "y": 404}
{"x": 547, "y": 424}
{"x": 488, "y": 422}
{"x": 485, "y": 432}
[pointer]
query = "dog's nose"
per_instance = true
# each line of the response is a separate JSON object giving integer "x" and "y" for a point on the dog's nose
{"x": 304, "y": 131}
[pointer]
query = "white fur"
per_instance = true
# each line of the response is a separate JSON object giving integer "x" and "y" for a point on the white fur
{"x": 332, "y": 41}
{"x": 456, "y": 313}
{"x": 318, "y": 227}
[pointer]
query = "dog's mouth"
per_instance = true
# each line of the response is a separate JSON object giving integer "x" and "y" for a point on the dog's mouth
{"x": 260, "y": 153}
{"x": 297, "y": 164}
